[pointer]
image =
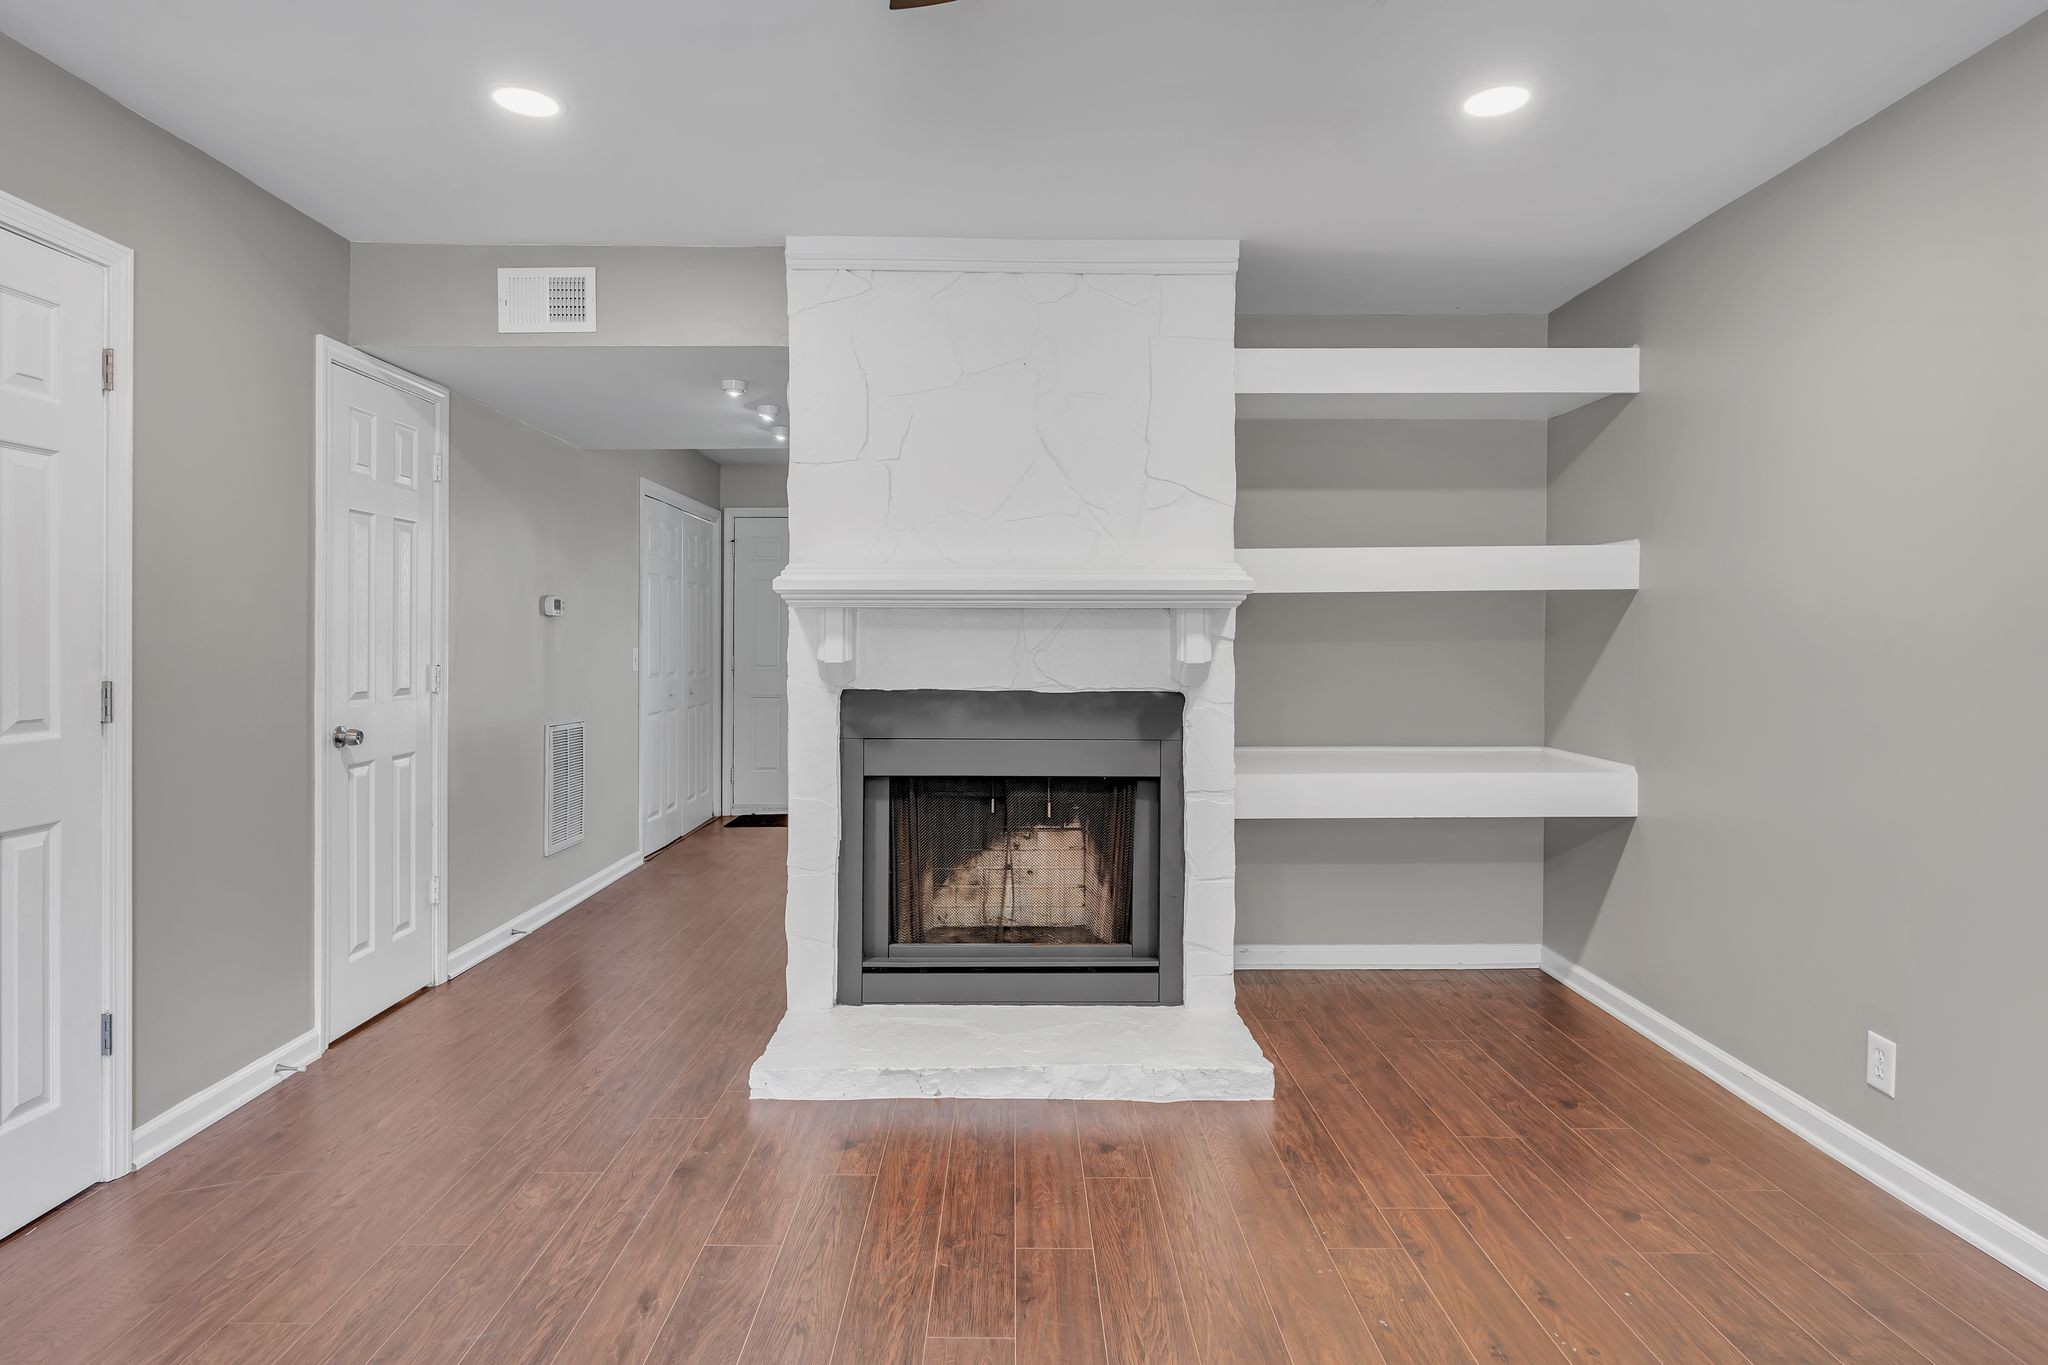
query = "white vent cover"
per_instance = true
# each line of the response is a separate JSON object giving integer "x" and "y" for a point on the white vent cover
{"x": 564, "y": 813}
{"x": 548, "y": 298}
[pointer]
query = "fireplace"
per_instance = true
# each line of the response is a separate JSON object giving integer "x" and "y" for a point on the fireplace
{"x": 1010, "y": 848}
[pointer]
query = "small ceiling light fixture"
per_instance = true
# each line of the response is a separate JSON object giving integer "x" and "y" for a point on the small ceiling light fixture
{"x": 780, "y": 433}
{"x": 1501, "y": 99}
{"x": 768, "y": 413}
{"x": 532, "y": 103}
{"x": 734, "y": 388}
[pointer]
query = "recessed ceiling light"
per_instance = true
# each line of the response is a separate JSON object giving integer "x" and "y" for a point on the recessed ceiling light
{"x": 768, "y": 413}
{"x": 531, "y": 103}
{"x": 1501, "y": 99}
{"x": 734, "y": 388}
{"x": 780, "y": 433}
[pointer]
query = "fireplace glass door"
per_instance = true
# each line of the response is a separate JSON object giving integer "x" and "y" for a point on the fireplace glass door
{"x": 987, "y": 861}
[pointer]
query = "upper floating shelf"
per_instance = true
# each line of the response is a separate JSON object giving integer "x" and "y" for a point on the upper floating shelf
{"x": 1501, "y": 383}
{"x": 1447, "y": 568}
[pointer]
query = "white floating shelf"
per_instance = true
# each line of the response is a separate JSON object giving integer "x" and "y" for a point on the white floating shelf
{"x": 1494, "y": 383}
{"x": 1419, "y": 783}
{"x": 1447, "y": 568}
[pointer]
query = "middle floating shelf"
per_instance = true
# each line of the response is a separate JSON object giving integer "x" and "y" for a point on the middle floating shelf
{"x": 1447, "y": 568}
{"x": 1369, "y": 782}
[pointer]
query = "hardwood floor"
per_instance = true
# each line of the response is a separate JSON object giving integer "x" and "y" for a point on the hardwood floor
{"x": 554, "y": 1159}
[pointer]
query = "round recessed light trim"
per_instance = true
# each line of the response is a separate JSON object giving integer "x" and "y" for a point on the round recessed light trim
{"x": 1498, "y": 100}
{"x": 769, "y": 414}
{"x": 780, "y": 433}
{"x": 734, "y": 388}
{"x": 531, "y": 103}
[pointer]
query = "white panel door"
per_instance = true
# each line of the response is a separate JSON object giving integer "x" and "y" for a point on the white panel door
{"x": 700, "y": 670}
{"x": 378, "y": 793}
{"x": 760, "y": 666}
{"x": 678, "y": 671}
{"x": 53, "y": 508}
{"x": 661, "y": 674}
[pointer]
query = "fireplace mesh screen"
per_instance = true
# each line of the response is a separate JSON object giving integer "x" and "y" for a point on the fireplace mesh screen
{"x": 1032, "y": 860}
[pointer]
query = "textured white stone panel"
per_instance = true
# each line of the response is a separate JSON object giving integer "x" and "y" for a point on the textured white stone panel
{"x": 1191, "y": 426}
{"x": 991, "y": 318}
{"x": 901, "y": 338}
{"x": 838, "y": 511}
{"x": 1198, "y": 306}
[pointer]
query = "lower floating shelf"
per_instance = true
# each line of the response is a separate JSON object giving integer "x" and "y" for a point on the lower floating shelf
{"x": 1427, "y": 783}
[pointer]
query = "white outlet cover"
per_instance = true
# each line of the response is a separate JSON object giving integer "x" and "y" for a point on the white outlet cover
{"x": 1881, "y": 1065}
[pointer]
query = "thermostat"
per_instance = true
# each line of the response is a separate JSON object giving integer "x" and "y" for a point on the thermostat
{"x": 551, "y": 605}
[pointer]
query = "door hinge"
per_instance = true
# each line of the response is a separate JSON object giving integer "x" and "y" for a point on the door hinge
{"x": 433, "y": 891}
{"x": 106, "y": 701}
{"x": 106, "y": 1035}
{"x": 107, "y": 370}
{"x": 440, "y": 462}
{"x": 435, "y": 684}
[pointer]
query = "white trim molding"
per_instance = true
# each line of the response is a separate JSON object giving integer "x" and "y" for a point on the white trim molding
{"x": 117, "y": 785}
{"x": 998, "y": 255}
{"x": 189, "y": 1116}
{"x": 1199, "y": 596}
{"x": 512, "y": 930}
{"x": 1968, "y": 1217}
{"x": 1260, "y": 957}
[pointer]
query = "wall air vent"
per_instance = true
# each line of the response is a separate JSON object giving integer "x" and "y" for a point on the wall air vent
{"x": 564, "y": 803}
{"x": 548, "y": 298}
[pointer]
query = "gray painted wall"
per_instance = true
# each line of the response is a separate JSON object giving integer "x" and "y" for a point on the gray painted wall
{"x": 231, "y": 288}
{"x": 529, "y": 515}
{"x": 753, "y": 485}
{"x": 1420, "y": 668}
{"x": 407, "y": 295}
{"x": 689, "y": 472}
{"x": 1831, "y": 680}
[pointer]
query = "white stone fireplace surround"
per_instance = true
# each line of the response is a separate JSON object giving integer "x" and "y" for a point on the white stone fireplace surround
{"x": 1013, "y": 468}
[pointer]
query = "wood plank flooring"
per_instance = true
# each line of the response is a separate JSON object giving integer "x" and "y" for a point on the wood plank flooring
{"x": 553, "y": 1159}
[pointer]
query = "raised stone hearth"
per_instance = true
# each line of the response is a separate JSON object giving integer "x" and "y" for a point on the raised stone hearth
{"x": 1013, "y": 469}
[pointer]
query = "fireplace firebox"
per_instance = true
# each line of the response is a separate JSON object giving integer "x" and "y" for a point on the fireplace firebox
{"x": 1010, "y": 848}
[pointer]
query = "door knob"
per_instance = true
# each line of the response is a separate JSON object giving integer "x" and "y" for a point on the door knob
{"x": 345, "y": 738}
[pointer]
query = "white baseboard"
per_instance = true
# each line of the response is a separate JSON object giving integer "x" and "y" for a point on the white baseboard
{"x": 502, "y": 937}
{"x": 1370, "y": 956}
{"x": 222, "y": 1098}
{"x": 1962, "y": 1213}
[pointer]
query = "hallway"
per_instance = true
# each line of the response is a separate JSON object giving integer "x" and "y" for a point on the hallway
{"x": 553, "y": 1159}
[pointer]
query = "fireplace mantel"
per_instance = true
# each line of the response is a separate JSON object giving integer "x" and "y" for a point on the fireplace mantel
{"x": 1199, "y": 597}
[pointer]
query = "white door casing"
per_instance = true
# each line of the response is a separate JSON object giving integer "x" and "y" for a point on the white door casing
{"x": 64, "y": 814}
{"x": 757, "y": 717}
{"x": 381, "y": 687}
{"x": 678, "y": 665}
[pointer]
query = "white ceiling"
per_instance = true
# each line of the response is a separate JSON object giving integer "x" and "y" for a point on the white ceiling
{"x": 620, "y": 397}
{"x": 1324, "y": 133}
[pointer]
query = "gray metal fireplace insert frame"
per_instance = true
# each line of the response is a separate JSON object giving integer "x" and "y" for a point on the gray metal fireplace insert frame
{"x": 885, "y": 735}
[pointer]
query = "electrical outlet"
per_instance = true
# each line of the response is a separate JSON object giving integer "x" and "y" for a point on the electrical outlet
{"x": 1881, "y": 1066}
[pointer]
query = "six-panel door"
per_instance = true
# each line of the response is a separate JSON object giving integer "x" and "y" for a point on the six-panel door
{"x": 378, "y": 790}
{"x": 53, "y": 507}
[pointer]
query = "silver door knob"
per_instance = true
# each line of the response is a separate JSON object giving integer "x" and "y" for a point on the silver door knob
{"x": 345, "y": 738}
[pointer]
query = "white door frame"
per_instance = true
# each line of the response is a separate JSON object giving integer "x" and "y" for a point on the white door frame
{"x": 328, "y": 352}
{"x": 732, "y": 515}
{"x": 650, "y": 489}
{"x": 117, "y": 786}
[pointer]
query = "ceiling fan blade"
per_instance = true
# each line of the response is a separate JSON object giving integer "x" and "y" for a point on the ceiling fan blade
{"x": 915, "y": 4}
